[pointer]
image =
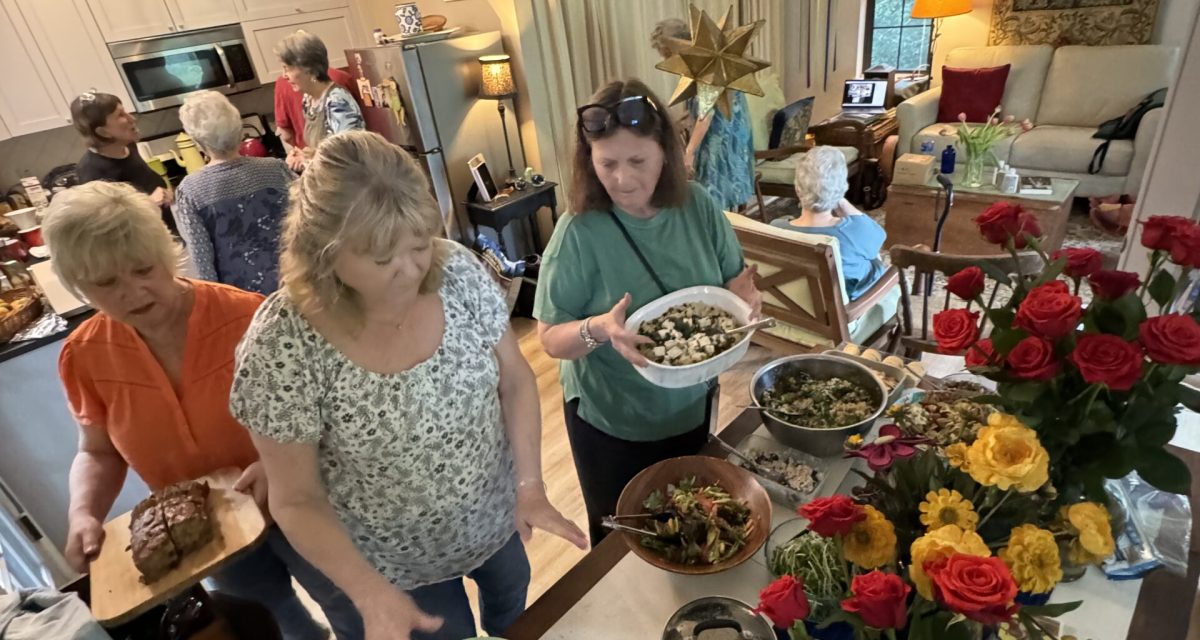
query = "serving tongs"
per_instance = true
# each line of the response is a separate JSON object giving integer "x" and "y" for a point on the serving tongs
{"x": 610, "y": 522}
{"x": 754, "y": 466}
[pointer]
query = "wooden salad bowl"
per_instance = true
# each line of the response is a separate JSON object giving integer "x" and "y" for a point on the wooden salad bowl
{"x": 739, "y": 483}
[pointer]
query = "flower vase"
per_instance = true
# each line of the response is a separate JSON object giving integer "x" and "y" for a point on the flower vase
{"x": 1071, "y": 571}
{"x": 974, "y": 173}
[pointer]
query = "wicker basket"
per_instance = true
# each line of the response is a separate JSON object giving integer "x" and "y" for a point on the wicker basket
{"x": 13, "y": 323}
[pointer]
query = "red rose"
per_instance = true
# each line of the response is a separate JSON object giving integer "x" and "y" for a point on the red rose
{"x": 982, "y": 589}
{"x": 1049, "y": 311}
{"x": 966, "y": 284}
{"x": 1033, "y": 359}
{"x": 1081, "y": 263}
{"x": 783, "y": 602}
{"x": 1004, "y": 220}
{"x": 955, "y": 330}
{"x": 1185, "y": 246}
{"x": 1111, "y": 285}
{"x": 880, "y": 599}
{"x": 1108, "y": 360}
{"x": 1171, "y": 339}
{"x": 833, "y": 515}
{"x": 1158, "y": 232}
{"x": 981, "y": 354}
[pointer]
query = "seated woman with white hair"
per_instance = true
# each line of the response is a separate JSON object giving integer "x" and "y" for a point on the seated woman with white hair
{"x": 230, "y": 212}
{"x": 821, "y": 183}
{"x": 148, "y": 379}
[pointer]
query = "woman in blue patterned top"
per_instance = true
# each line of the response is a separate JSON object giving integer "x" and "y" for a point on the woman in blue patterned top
{"x": 230, "y": 211}
{"x": 329, "y": 109}
{"x": 720, "y": 150}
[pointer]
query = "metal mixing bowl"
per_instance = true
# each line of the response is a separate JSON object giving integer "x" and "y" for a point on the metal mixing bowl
{"x": 818, "y": 442}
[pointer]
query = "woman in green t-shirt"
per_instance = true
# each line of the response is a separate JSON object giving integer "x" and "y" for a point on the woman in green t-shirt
{"x": 638, "y": 230}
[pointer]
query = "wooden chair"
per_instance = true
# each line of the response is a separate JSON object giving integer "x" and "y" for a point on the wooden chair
{"x": 800, "y": 278}
{"x": 917, "y": 339}
{"x": 775, "y": 162}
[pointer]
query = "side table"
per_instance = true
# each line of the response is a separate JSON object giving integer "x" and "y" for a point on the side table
{"x": 518, "y": 206}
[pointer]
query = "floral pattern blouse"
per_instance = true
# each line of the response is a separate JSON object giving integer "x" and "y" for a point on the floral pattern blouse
{"x": 416, "y": 464}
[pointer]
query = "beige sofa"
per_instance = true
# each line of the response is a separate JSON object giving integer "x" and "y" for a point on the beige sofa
{"x": 1066, "y": 93}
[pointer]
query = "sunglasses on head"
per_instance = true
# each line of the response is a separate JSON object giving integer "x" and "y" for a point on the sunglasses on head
{"x": 635, "y": 112}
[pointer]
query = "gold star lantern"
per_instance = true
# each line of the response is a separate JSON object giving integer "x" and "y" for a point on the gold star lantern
{"x": 714, "y": 62}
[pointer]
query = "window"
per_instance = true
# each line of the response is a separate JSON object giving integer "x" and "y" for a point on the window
{"x": 894, "y": 37}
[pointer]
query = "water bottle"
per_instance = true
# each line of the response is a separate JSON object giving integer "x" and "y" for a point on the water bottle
{"x": 949, "y": 156}
{"x": 927, "y": 147}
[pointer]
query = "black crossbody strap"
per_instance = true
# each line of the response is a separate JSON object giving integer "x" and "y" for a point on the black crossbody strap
{"x": 633, "y": 245}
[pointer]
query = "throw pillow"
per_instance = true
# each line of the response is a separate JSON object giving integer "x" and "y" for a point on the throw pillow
{"x": 975, "y": 92}
{"x": 789, "y": 125}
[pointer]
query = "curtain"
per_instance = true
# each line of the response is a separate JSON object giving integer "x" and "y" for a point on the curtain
{"x": 768, "y": 44}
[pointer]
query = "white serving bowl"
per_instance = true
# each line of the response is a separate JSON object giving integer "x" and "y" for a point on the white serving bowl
{"x": 693, "y": 374}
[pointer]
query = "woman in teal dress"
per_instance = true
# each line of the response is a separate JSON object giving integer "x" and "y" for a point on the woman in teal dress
{"x": 720, "y": 150}
{"x": 720, "y": 153}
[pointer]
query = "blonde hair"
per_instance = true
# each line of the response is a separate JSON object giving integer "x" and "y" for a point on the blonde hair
{"x": 98, "y": 229}
{"x": 821, "y": 179}
{"x": 359, "y": 193}
{"x": 212, "y": 121}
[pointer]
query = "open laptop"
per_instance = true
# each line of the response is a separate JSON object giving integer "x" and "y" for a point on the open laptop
{"x": 864, "y": 99}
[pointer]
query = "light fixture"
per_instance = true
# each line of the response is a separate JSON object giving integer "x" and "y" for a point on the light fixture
{"x": 496, "y": 83}
{"x": 936, "y": 10}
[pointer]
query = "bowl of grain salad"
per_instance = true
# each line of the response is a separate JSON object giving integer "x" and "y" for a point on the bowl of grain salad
{"x": 689, "y": 338}
{"x": 814, "y": 402}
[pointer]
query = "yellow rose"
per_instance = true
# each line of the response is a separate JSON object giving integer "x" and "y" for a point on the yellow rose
{"x": 938, "y": 544}
{"x": 956, "y": 454}
{"x": 854, "y": 441}
{"x": 1007, "y": 455}
{"x": 1032, "y": 556}
{"x": 1093, "y": 542}
{"x": 871, "y": 542}
{"x": 946, "y": 506}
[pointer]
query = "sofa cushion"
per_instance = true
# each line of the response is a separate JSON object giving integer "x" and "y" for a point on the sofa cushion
{"x": 1088, "y": 85}
{"x": 1068, "y": 149}
{"x": 1023, "y": 89}
{"x": 947, "y": 134}
{"x": 974, "y": 93}
{"x": 784, "y": 171}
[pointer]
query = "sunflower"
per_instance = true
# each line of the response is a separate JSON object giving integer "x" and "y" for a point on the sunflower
{"x": 871, "y": 542}
{"x": 946, "y": 506}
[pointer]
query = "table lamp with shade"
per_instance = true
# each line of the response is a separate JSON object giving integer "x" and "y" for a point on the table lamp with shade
{"x": 936, "y": 10}
{"x": 496, "y": 83}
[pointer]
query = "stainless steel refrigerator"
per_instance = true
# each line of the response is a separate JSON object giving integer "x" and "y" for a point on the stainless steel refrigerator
{"x": 443, "y": 123}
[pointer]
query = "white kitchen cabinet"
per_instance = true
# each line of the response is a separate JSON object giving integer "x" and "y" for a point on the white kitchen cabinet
{"x": 131, "y": 19}
{"x": 29, "y": 98}
{"x": 262, "y": 9}
{"x": 73, "y": 47}
{"x": 335, "y": 27}
{"x": 199, "y": 14}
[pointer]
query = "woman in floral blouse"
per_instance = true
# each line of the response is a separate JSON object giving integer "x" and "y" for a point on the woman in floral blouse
{"x": 395, "y": 415}
{"x": 329, "y": 109}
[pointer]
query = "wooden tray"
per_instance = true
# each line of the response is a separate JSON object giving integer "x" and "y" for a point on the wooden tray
{"x": 118, "y": 594}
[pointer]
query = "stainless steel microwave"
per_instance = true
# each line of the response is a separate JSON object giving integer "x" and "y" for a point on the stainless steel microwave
{"x": 162, "y": 72}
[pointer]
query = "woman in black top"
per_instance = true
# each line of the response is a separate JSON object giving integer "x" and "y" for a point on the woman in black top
{"x": 111, "y": 133}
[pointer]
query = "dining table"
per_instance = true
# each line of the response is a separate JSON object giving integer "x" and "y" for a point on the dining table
{"x": 612, "y": 594}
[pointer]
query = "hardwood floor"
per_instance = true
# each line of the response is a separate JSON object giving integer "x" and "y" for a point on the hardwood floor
{"x": 551, "y": 557}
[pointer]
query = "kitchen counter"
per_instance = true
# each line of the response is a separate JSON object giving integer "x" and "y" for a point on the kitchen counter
{"x": 11, "y": 350}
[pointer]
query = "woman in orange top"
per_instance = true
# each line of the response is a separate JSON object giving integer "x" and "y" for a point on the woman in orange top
{"x": 148, "y": 380}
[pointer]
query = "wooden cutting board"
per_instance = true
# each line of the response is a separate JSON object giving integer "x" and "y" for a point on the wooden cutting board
{"x": 118, "y": 594}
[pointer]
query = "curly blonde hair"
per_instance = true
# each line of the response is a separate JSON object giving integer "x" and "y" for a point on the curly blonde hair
{"x": 359, "y": 193}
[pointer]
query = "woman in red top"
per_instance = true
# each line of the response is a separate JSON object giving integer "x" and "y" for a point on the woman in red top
{"x": 148, "y": 380}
